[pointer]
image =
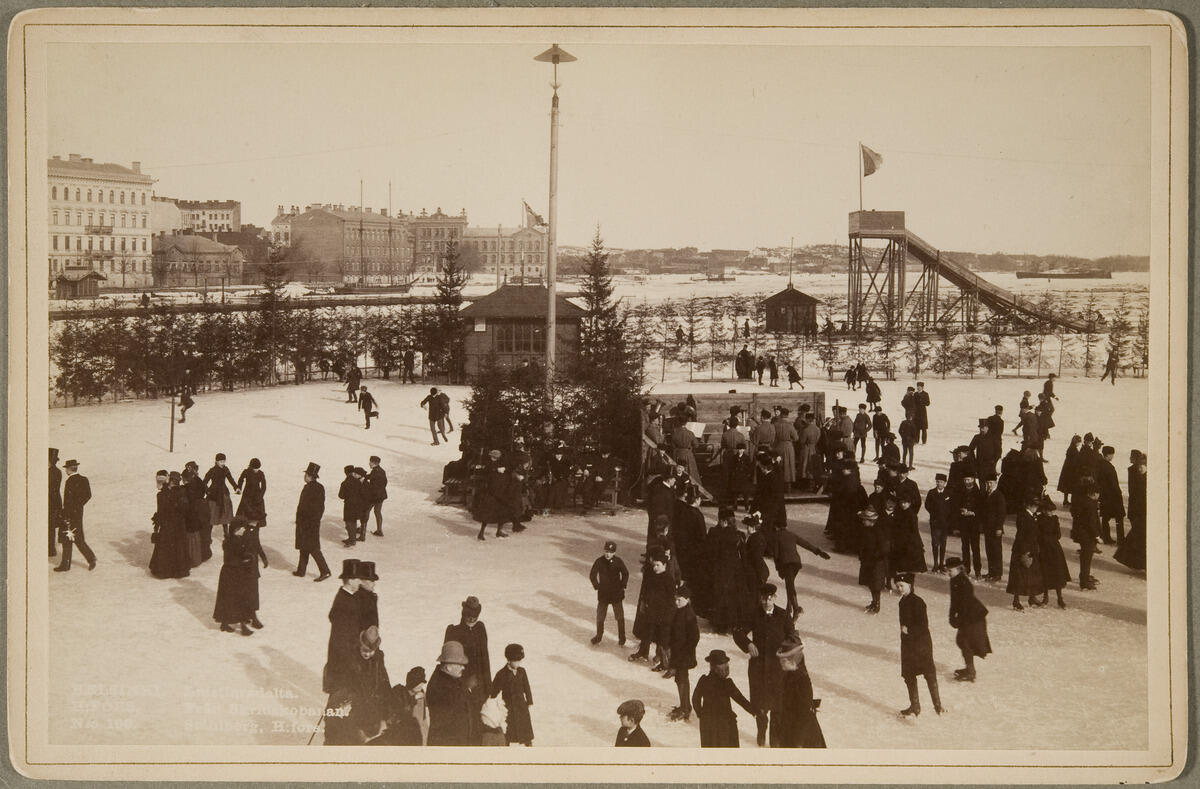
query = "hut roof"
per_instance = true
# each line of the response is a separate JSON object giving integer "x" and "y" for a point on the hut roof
{"x": 789, "y": 295}
{"x": 520, "y": 301}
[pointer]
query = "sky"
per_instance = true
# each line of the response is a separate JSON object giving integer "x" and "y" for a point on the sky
{"x": 987, "y": 149}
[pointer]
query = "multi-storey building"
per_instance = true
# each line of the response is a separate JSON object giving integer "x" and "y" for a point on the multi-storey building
{"x": 205, "y": 216}
{"x": 281, "y": 226}
{"x": 431, "y": 234}
{"x": 351, "y": 245}
{"x": 195, "y": 261}
{"x": 507, "y": 253}
{"x": 165, "y": 216}
{"x": 99, "y": 219}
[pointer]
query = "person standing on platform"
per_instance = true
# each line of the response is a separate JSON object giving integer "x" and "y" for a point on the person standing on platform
{"x": 309, "y": 511}
{"x": 969, "y": 617}
{"x": 916, "y": 648}
{"x": 56, "y": 502}
{"x": 77, "y": 492}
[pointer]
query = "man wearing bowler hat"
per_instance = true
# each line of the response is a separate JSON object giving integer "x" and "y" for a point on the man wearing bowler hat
{"x": 308, "y": 523}
{"x": 56, "y": 502}
{"x": 76, "y": 493}
{"x": 770, "y": 626}
{"x": 344, "y": 619}
{"x": 711, "y": 701}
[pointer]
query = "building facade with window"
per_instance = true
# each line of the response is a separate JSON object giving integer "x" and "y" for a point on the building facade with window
{"x": 165, "y": 216}
{"x": 343, "y": 243}
{"x": 507, "y": 253}
{"x": 99, "y": 220}
{"x": 207, "y": 216}
{"x": 195, "y": 261}
{"x": 431, "y": 236}
{"x": 281, "y": 226}
{"x": 511, "y": 322}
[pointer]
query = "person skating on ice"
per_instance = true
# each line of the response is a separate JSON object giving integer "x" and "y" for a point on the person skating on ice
{"x": 969, "y": 617}
{"x": 916, "y": 648}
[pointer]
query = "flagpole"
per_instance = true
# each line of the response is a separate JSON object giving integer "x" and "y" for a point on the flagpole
{"x": 860, "y": 175}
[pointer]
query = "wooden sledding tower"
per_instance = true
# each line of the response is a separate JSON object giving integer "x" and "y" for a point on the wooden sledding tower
{"x": 880, "y": 297}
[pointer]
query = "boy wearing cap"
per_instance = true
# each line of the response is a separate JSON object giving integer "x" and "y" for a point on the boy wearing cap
{"x": 711, "y": 700}
{"x": 908, "y": 439}
{"x": 630, "y": 735}
{"x": 685, "y": 635}
{"x": 377, "y": 487}
{"x": 353, "y": 503}
{"x": 916, "y": 647}
{"x": 367, "y": 404}
{"x": 969, "y": 617}
{"x": 77, "y": 492}
{"x": 309, "y": 511}
{"x": 512, "y": 684}
{"x": 609, "y": 578}
{"x": 344, "y": 630}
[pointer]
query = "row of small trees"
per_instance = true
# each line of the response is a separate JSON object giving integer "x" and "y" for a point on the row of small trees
{"x": 159, "y": 350}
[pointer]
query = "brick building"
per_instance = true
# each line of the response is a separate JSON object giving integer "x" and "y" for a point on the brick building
{"x": 349, "y": 245}
{"x": 188, "y": 260}
{"x": 430, "y": 236}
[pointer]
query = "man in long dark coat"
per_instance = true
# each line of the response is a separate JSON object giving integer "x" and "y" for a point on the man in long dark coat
{"x": 56, "y": 503}
{"x": 344, "y": 631}
{"x": 1132, "y": 551}
{"x": 682, "y": 640}
{"x": 377, "y": 486}
{"x": 77, "y": 492}
{"x": 984, "y": 452}
{"x": 969, "y": 508}
{"x": 995, "y": 424}
{"x": 453, "y": 713}
{"x": 471, "y": 633}
{"x": 353, "y": 496}
{"x": 711, "y": 701}
{"x": 1112, "y": 504}
{"x": 995, "y": 512}
{"x": 916, "y": 647}
{"x": 769, "y": 627}
{"x": 921, "y": 410}
{"x": 308, "y": 523}
{"x": 969, "y": 617}
{"x": 609, "y": 577}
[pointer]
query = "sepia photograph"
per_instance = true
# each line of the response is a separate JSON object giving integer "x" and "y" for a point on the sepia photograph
{"x": 513, "y": 386}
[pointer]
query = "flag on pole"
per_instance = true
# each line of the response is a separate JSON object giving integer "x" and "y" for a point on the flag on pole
{"x": 532, "y": 218}
{"x": 871, "y": 160}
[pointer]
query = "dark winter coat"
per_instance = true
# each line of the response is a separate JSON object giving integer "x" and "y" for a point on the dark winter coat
{"x": 170, "y": 556}
{"x": 881, "y": 425}
{"x": 308, "y": 517}
{"x": 1068, "y": 477}
{"x": 969, "y": 617}
{"x": 687, "y": 532}
{"x": 499, "y": 500}
{"x": 253, "y": 484}
{"x": 1137, "y": 495}
{"x": 368, "y": 608}
{"x": 794, "y": 718}
{"x": 685, "y": 634}
{"x": 197, "y": 505}
{"x": 656, "y": 606}
{"x": 1112, "y": 505}
{"x": 1024, "y": 580}
{"x": 632, "y": 739}
{"x": 985, "y": 454}
{"x": 921, "y": 409}
{"x": 755, "y": 554}
{"x": 766, "y": 633}
{"x": 1085, "y": 521}
{"x": 916, "y": 645}
{"x": 377, "y": 484}
{"x": 786, "y": 553}
{"x": 77, "y": 492}
{"x": 907, "y": 550}
{"x": 739, "y": 475}
{"x": 873, "y": 393}
{"x": 56, "y": 502}
{"x": 995, "y": 510}
{"x": 908, "y": 432}
{"x": 354, "y": 501}
{"x": 874, "y": 554}
{"x": 237, "y": 587}
{"x": 711, "y": 702}
{"x": 215, "y": 481}
{"x": 609, "y": 579}
{"x": 940, "y": 506}
{"x": 513, "y": 687}
{"x": 451, "y": 712}
{"x": 343, "y": 651}
{"x": 1132, "y": 550}
{"x": 474, "y": 642}
{"x": 1055, "y": 573}
{"x": 724, "y": 559}
{"x": 972, "y": 500}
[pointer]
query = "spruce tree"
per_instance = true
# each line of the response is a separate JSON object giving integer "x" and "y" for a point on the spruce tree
{"x": 446, "y": 346}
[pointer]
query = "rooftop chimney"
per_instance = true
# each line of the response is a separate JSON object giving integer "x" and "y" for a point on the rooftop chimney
{"x": 87, "y": 160}
{"x": 137, "y": 167}
{"x": 57, "y": 158}
{"x": 278, "y": 210}
{"x": 383, "y": 212}
{"x": 74, "y": 157}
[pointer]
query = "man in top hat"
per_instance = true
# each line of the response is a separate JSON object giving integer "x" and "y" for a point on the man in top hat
{"x": 921, "y": 410}
{"x": 367, "y": 404}
{"x": 309, "y": 511}
{"x": 769, "y": 627}
{"x": 711, "y": 701}
{"x": 56, "y": 502}
{"x": 344, "y": 618}
{"x": 77, "y": 491}
{"x": 609, "y": 577}
{"x": 368, "y": 601}
{"x": 377, "y": 488}
{"x": 916, "y": 647}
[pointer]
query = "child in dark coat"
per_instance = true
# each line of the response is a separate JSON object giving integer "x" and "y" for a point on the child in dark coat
{"x": 969, "y": 617}
{"x": 630, "y": 735}
{"x": 512, "y": 684}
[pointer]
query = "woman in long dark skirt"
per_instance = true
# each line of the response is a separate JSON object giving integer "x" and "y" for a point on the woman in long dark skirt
{"x": 1132, "y": 550}
{"x": 254, "y": 487}
{"x": 723, "y": 550}
{"x": 797, "y": 711}
{"x": 1055, "y": 573}
{"x": 170, "y": 557}
{"x": 237, "y": 588}
{"x": 1024, "y": 566}
{"x": 1068, "y": 478}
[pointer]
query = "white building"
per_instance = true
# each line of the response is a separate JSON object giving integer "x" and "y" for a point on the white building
{"x": 99, "y": 218}
{"x": 507, "y": 253}
{"x": 165, "y": 216}
{"x": 205, "y": 216}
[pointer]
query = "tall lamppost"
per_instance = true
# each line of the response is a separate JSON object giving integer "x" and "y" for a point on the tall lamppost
{"x": 553, "y": 55}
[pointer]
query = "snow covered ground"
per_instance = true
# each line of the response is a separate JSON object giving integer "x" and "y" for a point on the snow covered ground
{"x": 139, "y": 661}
